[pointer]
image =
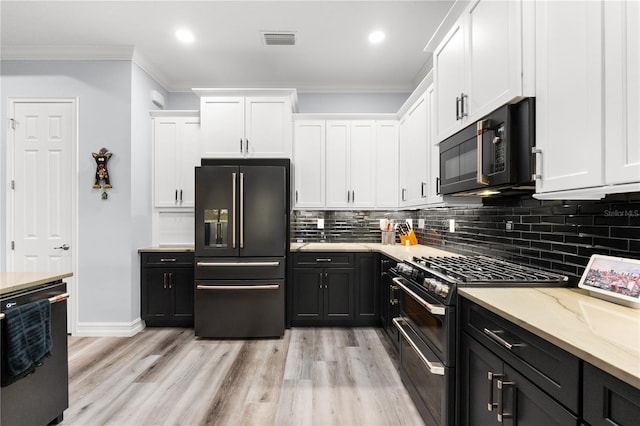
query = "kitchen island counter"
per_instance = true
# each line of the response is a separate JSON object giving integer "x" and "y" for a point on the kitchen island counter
{"x": 601, "y": 333}
{"x": 16, "y": 281}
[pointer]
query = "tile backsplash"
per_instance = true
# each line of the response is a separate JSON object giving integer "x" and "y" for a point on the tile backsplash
{"x": 559, "y": 236}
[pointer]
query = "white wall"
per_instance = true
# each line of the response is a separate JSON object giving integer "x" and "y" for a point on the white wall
{"x": 113, "y": 113}
{"x": 351, "y": 102}
{"x": 182, "y": 101}
{"x": 141, "y": 174}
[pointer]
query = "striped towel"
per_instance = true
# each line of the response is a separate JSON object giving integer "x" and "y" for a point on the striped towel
{"x": 28, "y": 338}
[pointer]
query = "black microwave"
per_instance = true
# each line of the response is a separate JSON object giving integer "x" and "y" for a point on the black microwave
{"x": 492, "y": 155}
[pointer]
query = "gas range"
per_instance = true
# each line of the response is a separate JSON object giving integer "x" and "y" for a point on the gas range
{"x": 440, "y": 276}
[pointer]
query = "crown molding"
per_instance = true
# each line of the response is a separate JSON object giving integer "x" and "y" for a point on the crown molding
{"x": 114, "y": 53}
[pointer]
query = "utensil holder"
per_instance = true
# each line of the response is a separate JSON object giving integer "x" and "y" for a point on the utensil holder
{"x": 388, "y": 237}
{"x": 410, "y": 238}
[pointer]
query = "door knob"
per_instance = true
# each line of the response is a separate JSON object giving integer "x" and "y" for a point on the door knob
{"x": 62, "y": 247}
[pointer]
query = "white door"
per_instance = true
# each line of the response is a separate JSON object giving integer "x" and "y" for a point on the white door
{"x": 222, "y": 127}
{"x": 268, "y": 127}
{"x": 42, "y": 168}
{"x": 387, "y": 164}
{"x": 338, "y": 192}
{"x": 309, "y": 163}
{"x": 569, "y": 95}
{"x": 622, "y": 88}
{"x": 362, "y": 160}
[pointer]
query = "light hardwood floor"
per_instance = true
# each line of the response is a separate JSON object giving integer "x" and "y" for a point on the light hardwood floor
{"x": 311, "y": 376}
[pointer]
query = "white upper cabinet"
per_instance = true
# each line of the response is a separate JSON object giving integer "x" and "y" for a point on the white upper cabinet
{"x": 345, "y": 164}
{"x": 386, "y": 169}
{"x": 245, "y": 126}
{"x": 176, "y": 152}
{"x": 432, "y": 190}
{"x": 309, "y": 164}
{"x": 569, "y": 95}
{"x": 414, "y": 154}
{"x": 350, "y": 177}
{"x": 622, "y": 89}
{"x": 478, "y": 66}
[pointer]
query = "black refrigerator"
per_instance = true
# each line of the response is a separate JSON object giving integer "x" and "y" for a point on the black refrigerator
{"x": 241, "y": 245}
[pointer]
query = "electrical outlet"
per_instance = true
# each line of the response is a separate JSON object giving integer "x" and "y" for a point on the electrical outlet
{"x": 509, "y": 225}
{"x": 320, "y": 224}
{"x": 409, "y": 222}
{"x": 421, "y": 223}
{"x": 452, "y": 225}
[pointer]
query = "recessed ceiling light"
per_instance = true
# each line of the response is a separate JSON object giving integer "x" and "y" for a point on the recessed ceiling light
{"x": 376, "y": 37}
{"x": 185, "y": 36}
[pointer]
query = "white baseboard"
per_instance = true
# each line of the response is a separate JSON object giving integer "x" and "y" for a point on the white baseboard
{"x": 101, "y": 329}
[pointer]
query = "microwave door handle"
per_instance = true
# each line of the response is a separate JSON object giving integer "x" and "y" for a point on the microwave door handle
{"x": 481, "y": 178}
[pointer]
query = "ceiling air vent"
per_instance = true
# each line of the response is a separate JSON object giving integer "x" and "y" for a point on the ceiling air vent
{"x": 273, "y": 38}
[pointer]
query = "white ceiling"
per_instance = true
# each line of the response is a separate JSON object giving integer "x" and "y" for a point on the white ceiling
{"x": 332, "y": 51}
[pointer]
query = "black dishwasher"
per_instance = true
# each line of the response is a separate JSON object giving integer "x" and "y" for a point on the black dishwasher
{"x": 41, "y": 397}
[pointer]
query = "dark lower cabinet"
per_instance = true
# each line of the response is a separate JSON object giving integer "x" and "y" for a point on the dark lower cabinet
{"x": 493, "y": 393}
{"x": 367, "y": 299}
{"x": 338, "y": 289}
{"x": 322, "y": 296}
{"x": 607, "y": 400}
{"x": 167, "y": 289}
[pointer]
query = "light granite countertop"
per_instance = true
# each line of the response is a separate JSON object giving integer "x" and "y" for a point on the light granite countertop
{"x": 395, "y": 251}
{"x": 602, "y": 333}
{"x": 15, "y": 281}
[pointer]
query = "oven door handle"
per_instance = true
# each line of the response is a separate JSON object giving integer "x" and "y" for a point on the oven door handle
{"x": 433, "y": 309}
{"x": 435, "y": 368}
{"x": 238, "y": 287}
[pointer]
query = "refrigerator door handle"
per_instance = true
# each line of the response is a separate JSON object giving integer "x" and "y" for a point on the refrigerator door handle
{"x": 233, "y": 204}
{"x": 241, "y": 210}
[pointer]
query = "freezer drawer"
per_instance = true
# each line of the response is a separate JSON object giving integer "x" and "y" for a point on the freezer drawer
{"x": 234, "y": 268}
{"x": 239, "y": 308}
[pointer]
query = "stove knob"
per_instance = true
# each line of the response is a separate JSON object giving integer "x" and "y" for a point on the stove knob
{"x": 431, "y": 283}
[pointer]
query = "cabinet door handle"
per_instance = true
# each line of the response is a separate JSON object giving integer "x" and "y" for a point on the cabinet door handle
{"x": 422, "y": 184}
{"x": 246, "y": 146}
{"x": 320, "y": 281}
{"x": 458, "y": 109}
{"x": 181, "y": 195}
{"x": 164, "y": 280}
{"x": 501, "y": 414}
{"x": 438, "y": 185}
{"x": 170, "y": 279}
{"x": 241, "y": 151}
{"x": 353, "y": 196}
{"x": 490, "y": 376}
{"x": 326, "y": 279}
{"x": 403, "y": 194}
{"x": 537, "y": 156}
{"x": 462, "y": 113}
{"x": 296, "y": 195}
{"x": 176, "y": 196}
{"x": 348, "y": 196}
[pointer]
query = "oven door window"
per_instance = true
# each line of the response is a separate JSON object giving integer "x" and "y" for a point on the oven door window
{"x": 432, "y": 328}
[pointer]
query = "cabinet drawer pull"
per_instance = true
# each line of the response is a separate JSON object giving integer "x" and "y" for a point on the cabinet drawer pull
{"x": 168, "y": 259}
{"x": 494, "y": 336}
{"x": 323, "y": 259}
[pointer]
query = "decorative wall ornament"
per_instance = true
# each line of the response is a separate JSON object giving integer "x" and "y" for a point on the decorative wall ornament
{"x": 102, "y": 174}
